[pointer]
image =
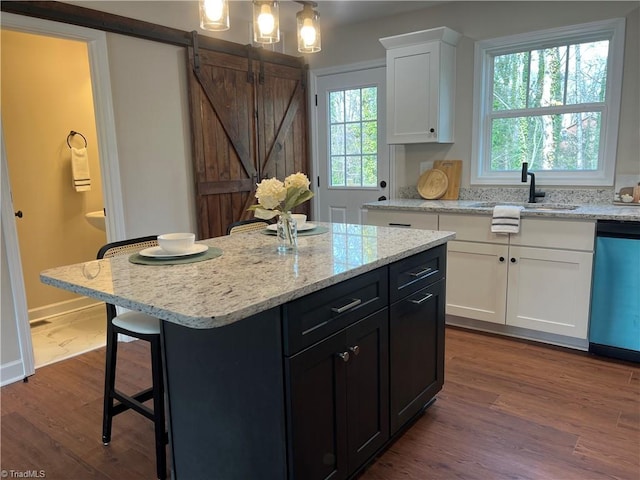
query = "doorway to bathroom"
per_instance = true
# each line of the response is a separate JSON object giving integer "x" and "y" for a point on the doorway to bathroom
{"x": 48, "y": 107}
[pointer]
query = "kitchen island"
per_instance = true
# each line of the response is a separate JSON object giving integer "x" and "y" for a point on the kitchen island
{"x": 289, "y": 366}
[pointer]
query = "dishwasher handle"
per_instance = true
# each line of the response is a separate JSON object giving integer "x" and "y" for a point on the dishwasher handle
{"x": 618, "y": 229}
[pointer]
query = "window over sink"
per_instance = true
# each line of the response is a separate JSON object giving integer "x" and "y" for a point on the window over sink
{"x": 550, "y": 98}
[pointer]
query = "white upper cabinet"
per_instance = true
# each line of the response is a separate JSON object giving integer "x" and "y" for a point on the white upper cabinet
{"x": 421, "y": 80}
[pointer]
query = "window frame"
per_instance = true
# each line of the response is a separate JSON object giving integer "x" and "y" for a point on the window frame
{"x": 485, "y": 50}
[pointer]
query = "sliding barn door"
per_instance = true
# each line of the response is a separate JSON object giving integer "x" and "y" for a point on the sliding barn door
{"x": 282, "y": 121}
{"x": 249, "y": 122}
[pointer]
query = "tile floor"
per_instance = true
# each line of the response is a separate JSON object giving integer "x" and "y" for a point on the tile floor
{"x": 65, "y": 336}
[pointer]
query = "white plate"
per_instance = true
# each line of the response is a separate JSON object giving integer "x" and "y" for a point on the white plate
{"x": 158, "y": 252}
{"x": 307, "y": 226}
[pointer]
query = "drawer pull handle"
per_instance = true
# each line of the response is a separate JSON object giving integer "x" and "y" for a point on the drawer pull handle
{"x": 399, "y": 224}
{"x": 354, "y": 303}
{"x": 344, "y": 356}
{"x": 355, "y": 350}
{"x": 421, "y": 272}
{"x": 423, "y": 299}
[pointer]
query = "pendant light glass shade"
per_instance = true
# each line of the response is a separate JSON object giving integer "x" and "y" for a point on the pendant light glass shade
{"x": 308, "y": 22}
{"x": 214, "y": 15}
{"x": 266, "y": 22}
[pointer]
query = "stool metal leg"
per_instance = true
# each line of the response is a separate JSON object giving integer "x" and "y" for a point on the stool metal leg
{"x": 109, "y": 383}
{"x": 158, "y": 408}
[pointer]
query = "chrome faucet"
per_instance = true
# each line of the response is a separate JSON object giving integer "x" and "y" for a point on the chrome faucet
{"x": 532, "y": 188}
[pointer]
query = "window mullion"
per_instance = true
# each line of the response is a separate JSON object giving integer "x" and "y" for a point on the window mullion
{"x": 566, "y": 74}
{"x": 528, "y": 82}
{"x": 555, "y": 110}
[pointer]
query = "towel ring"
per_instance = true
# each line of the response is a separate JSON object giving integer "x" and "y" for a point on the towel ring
{"x": 76, "y": 133}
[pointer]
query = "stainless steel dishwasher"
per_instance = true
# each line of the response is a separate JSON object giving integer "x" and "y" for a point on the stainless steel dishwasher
{"x": 614, "y": 328}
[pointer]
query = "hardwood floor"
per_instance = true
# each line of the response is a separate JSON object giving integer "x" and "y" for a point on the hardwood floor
{"x": 509, "y": 410}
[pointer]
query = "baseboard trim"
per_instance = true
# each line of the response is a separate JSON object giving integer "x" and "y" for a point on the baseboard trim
{"x": 55, "y": 309}
{"x": 11, "y": 372}
{"x": 518, "y": 332}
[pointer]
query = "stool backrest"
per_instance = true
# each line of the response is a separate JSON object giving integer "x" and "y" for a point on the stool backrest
{"x": 124, "y": 247}
{"x": 127, "y": 246}
{"x": 247, "y": 226}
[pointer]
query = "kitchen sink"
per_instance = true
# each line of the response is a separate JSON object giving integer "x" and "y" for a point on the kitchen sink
{"x": 529, "y": 206}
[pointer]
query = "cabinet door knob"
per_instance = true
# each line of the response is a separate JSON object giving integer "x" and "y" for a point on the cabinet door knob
{"x": 355, "y": 350}
{"x": 513, "y": 260}
{"x": 18, "y": 214}
{"x": 501, "y": 259}
{"x": 344, "y": 356}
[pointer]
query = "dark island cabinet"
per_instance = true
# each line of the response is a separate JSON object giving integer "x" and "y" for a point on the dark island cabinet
{"x": 311, "y": 389}
{"x": 416, "y": 334}
{"x": 338, "y": 401}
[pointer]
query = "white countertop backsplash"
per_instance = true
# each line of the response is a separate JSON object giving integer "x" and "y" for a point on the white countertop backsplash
{"x": 580, "y": 196}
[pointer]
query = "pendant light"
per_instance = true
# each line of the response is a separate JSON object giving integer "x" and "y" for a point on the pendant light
{"x": 214, "y": 15}
{"x": 266, "y": 22}
{"x": 308, "y": 22}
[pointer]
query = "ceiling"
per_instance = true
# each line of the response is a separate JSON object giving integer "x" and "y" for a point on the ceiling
{"x": 339, "y": 13}
{"x": 346, "y": 12}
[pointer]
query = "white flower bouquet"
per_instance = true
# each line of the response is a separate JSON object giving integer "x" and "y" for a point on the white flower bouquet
{"x": 276, "y": 197}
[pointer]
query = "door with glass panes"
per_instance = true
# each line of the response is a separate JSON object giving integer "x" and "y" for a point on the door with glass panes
{"x": 353, "y": 156}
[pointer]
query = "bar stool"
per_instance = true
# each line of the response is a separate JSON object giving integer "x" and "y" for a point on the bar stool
{"x": 144, "y": 327}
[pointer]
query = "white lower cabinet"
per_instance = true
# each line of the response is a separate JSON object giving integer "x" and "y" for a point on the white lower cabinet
{"x": 477, "y": 280}
{"x": 398, "y": 218}
{"x": 549, "y": 290}
{"x": 538, "y": 279}
{"x": 543, "y": 289}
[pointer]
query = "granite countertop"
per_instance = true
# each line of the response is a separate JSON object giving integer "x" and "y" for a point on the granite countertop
{"x": 582, "y": 212}
{"x": 249, "y": 277}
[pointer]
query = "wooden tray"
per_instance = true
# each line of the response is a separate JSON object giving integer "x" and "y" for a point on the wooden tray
{"x": 432, "y": 184}
{"x": 453, "y": 169}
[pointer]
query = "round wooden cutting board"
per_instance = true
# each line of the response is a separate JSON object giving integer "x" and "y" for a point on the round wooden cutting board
{"x": 432, "y": 184}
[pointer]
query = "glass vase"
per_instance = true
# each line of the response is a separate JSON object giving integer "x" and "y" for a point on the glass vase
{"x": 287, "y": 233}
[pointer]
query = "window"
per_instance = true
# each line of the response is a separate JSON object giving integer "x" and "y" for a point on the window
{"x": 353, "y": 137}
{"x": 551, "y": 99}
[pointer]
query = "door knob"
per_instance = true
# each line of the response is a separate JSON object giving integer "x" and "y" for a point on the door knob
{"x": 501, "y": 259}
{"x": 355, "y": 350}
{"x": 513, "y": 260}
{"x": 383, "y": 184}
{"x": 344, "y": 356}
{"x": 18, "y": 214}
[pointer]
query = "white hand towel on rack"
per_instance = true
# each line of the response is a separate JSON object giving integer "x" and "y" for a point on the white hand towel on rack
{"x": 506, "y": 219}
{"x": 80, "y": 169}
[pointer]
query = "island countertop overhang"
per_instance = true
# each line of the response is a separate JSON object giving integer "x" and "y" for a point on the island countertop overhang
{"x": 249, "y": 277}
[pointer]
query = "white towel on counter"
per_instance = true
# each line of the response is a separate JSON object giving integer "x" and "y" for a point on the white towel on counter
{"x": 80, "y": 169}
{"x": 506, "y": 219}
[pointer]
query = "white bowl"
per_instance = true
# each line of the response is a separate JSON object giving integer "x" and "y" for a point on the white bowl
{"x": 300, "y": 219}
{"x": 176, "y": 242}
{"x": 626, "y": 198}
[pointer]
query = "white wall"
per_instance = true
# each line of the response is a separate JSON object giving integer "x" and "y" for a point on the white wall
{"x": 150, "y": 103}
